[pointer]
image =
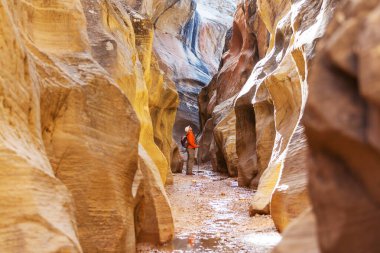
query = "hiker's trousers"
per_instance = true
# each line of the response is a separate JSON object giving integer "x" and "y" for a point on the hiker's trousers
{"x": 190, "y": 160}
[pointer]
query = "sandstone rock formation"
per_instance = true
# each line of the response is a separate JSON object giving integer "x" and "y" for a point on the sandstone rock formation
{"x": 276, "y": 41}
{"x": 290, "y": 197}
{"x": 177, "y": 161}
{"x": 225, "y": 138}
{"x": 204, "y": 151}
{"x": 277, "y": 88}
{"x": 277, "y": 92}
{"x": 246, "y": 45}
{"x": 342, "y": 126}
{"x": 187, "y": 41}
{"x": 300, "y": 236}
{"x": 153, "y": 220}
{"x": 86, "y": 121}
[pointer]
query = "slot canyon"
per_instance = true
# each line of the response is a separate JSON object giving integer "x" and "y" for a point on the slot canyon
{"x": 95, "y": 96}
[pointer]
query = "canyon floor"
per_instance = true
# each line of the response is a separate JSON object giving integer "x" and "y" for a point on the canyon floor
{"x": 211, "y": 215}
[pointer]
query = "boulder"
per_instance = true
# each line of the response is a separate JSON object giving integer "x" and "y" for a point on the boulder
{"x": 177, "y": 161}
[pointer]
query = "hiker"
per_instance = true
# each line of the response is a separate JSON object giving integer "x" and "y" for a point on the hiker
{"x": 191, "y": 146}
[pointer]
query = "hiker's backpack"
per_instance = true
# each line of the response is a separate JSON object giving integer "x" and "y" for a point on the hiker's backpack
{"x": 184, "y": 141}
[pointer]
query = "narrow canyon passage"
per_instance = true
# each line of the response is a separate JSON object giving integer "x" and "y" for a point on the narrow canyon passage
{"x": 210, "y": 214}
{"x": 283, "y": 98}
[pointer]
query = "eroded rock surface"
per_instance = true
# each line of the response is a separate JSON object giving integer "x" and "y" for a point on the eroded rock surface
{"x": 187, "y": 40}
{"x": 262, "y": 81}
{"x": 177, "y": 160}
{"x": 245, "y": 46}
{"x": 290, "y": 197}
{"x": 87, "y": 117}
{"x": 343, "y": 131}
{"x": 300, "y": 236}
{"x": 277, "y": 91}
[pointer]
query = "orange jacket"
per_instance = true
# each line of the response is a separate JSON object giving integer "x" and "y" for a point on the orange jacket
{"x": 191, "y": 140}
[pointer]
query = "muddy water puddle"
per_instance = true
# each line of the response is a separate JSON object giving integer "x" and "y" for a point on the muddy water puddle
{"x": 195, "y": 243}
{"x": 256, "y": 242}
{"x": 211, "y": 215}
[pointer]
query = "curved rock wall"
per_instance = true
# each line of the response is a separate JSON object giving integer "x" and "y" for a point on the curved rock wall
{"x": 248, "y": 42}
{"x": 281, "y": 84}
{"x": 187, "y": 41}
{"x": 340, "y": 123}
{"x": 35, "y": 205}
{"x": 291, "y": 197}
{"x": 277, "y": 89}
{"x": 262, "y": 86}
{"x": 86, "y": 119}
{"x": 343, "y": 131}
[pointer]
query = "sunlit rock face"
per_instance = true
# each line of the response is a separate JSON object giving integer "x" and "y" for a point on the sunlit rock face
{"x": 244, "y": 47}
{"x": 271, "y": 105}
{"x": 276, "y": 94}
{"x": 189, "y": 38}
{"x": 342, "y": 125}
{"x": 290, "y": 197}
{"x": 86, "y": 122}
{"x": 153, "y": 98}
{"x": 263, "y": 81}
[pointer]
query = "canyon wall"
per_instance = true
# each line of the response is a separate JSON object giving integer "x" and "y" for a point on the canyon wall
{"x": 253, "y": 107}
{"x": 302, "y": 113}
{"x": 245, "y": 46}
{"x": 87, "y": 117}
{"x": 188, "y": 37}
{"x": 342, "y": 126}
{"x": 276, "y": 93}
{"x": 86, "y": 123}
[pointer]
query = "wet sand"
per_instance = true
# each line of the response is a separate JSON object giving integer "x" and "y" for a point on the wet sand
{"x": 211, "y": 215}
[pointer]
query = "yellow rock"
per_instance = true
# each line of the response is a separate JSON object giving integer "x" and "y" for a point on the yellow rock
{"x": 135, "y": 70}
{"x": 290, "y": 197}
{"x": 77, "y": 123}
{"x": 163, "y": 103}
{"x": 261, "y": 200}
{"x": 154, "y": 218}
{"x": 226, "y": 141}
{"x": 274, "y": 96}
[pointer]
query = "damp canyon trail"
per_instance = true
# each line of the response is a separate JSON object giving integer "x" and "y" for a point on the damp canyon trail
{"x": 210, "y": 215}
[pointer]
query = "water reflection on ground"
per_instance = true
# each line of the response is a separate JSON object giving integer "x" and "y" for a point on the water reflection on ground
{"x": 211, "y": 215}
{"x": 255, "y": 242}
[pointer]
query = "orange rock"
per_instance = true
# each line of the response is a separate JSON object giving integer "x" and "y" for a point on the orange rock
{"x": 290, "y": 197}
{"x": 342, "y": 125}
